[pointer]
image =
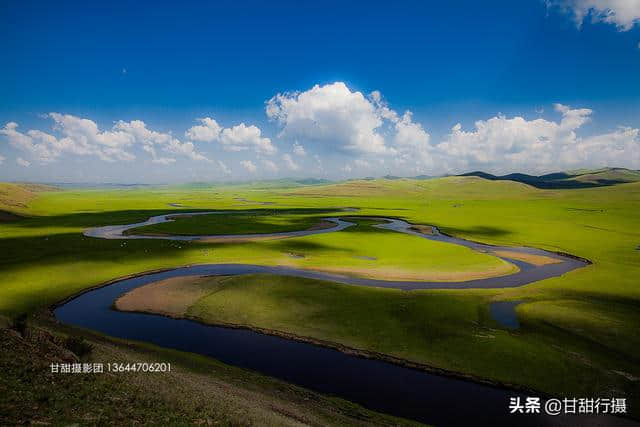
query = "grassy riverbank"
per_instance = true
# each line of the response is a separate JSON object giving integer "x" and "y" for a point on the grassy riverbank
{"x": 578, "y": 331}
{"x": 197, "y": 391}
{"x": 36, "y": 251}
{"x": 434, "y": 328}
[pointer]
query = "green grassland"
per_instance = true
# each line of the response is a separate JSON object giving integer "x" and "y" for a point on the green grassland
{"x": 262, "y": 221}
{"x": 15, "y": 198}
{"x": 364, "y": 251}
{"x": 370, "y": 252}
{"x": 578, "y": 333}
{"x": 439, "y": 327}
{"x": 607, "y": 175}
{"x": 360, "y": 247}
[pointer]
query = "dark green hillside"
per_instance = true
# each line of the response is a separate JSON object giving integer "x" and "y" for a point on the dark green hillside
{"x": 582, "y": 178}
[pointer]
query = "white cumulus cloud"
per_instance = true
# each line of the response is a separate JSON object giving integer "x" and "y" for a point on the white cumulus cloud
{"x": 41, "y": 146}
{"x": 291, "y": 164}
{"x": 150, "y": 139}
{"x": 81, "y": 136}
{"x": 331, "y": 114}
{"x": 207, "y": 132}
{"x": 624, "y": 14}
{"x": 502, "y": 144}
{"x": 157, "y": 159}
{"x": 363, "y": 133}
{"x": 184, "y": 148}
{"x": 242, "y": 137}
{"x": 237, "y": 138}
{"x": 249, "y": 166}
{"x": 346, "y": 121}
{"x": 298, "y": 149}
{"x": 22, "y": 162}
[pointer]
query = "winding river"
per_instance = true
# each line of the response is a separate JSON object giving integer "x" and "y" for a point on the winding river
{"x": 527, "y": 273}
{"x": 378, "y": 385}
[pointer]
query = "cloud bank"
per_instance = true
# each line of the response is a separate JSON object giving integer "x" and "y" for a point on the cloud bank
{"x": 332, "y": 130}
{"x": 82, "y": 137}
{"x": 382, "y": 139}
{"x": 514, "y": 144}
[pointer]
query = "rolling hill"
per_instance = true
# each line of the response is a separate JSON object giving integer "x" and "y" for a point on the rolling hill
{"x": 582, "y": 178}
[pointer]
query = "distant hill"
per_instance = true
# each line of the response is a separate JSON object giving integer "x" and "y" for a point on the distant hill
{"x": 260, "y": 184}
{"x": 394, "y": 177}
{"x": 312, "y": 181}
{"x": 15, "y": 198}
{"x": 582, "y": 178}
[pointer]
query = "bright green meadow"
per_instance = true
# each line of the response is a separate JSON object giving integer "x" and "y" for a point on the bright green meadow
{"x": 578, "y": 332}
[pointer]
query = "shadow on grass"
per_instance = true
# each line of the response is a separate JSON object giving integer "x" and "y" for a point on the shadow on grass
{"x": 65, "y": 247}
{"x": 365, "y": 225}
{"x": 26, "y": 253}
{"x": 478, "y": 230}
{"x": 97, "y": 219}
{"x": 288, "y": 245}
{"x": 21, "y": 252}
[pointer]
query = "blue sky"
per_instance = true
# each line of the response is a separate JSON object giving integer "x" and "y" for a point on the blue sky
{"x": 553, "y": 85}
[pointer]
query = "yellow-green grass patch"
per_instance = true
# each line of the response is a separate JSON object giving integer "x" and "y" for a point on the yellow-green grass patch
{"x": 171, "y": 297}
{"x": 528, "y": 258}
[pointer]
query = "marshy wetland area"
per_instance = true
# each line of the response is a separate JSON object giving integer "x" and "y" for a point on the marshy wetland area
{"x": 363, "y": 302}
